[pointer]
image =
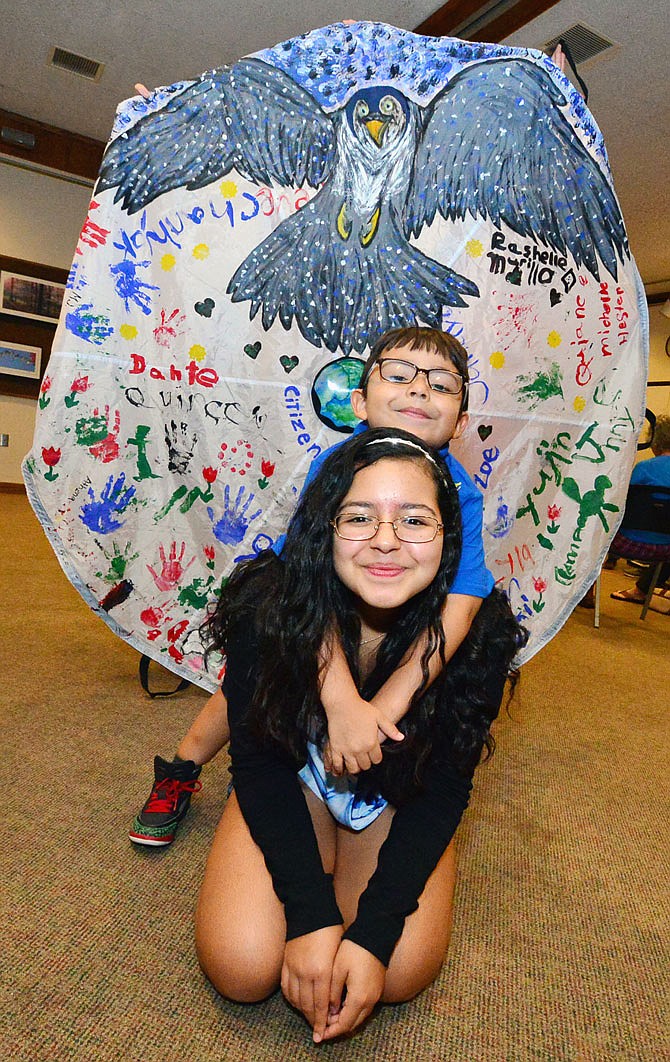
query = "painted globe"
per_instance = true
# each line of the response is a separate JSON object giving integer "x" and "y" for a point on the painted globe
{"x": 331, "y": 391}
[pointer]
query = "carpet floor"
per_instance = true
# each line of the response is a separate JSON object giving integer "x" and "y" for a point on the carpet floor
{"x": 560, "y": 948}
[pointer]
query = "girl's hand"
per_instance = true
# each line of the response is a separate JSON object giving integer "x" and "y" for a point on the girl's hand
{"x": 307, "y": 972}
{"x": 355, "y": 732}
{"x": 364, "y": 976}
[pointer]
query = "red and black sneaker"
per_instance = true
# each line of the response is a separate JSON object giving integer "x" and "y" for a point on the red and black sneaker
{"x": 168, "y": 802}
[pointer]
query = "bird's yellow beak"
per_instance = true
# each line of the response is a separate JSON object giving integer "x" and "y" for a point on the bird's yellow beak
{"x": 376, "y": 130}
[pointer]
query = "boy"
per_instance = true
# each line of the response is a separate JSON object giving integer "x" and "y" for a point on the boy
{"x": 415, "y": 379}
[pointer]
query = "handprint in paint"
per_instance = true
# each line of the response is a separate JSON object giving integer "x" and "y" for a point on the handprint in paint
{"x": 167, "y": 329}
{"x": 95, "y": 432}
{"x": 153, "y": 617}
{"x": 119, "y": 559}
{"x": 102, "y": 514}
{"x": 196, "y": 594}
{"x": 181, "y": 444}
{"x": 91, "y": 327}
{"x": 540, "y": 387}
{"x": 129, "y": 286}
{"x": 172, "y": 571}
{"x": 233, "y": 524}
{"x": 93, "y": 429}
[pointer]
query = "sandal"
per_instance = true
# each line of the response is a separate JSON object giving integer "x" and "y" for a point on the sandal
{"x": 627, "y": 595}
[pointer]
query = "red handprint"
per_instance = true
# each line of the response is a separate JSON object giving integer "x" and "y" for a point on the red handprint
{"x": 153, "y": 617}
{"x": 172, "y": 571}
{"x": 167, "y": 329}
{"x": 108, "y": 448}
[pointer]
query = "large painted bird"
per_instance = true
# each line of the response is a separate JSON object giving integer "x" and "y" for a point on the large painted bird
{"x": 494, "y": 143}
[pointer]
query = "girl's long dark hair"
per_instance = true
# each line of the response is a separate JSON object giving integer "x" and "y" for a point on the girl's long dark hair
{"x": 295, "y": 603}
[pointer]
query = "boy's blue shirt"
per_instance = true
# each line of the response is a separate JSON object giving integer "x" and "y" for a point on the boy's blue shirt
{"x": 472, "y": 576}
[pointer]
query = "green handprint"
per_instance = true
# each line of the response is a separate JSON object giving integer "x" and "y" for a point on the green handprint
{"x": 118, "y": 562}
{"x": 196, "y": 595}
{"x": 92, "y": 430}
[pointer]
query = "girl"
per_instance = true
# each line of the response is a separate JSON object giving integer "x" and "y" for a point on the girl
{"x": 342, "y": 892}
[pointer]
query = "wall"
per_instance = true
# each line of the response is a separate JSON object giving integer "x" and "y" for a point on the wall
{"x": 658, "y": 398}
{"x": 40, "y": 220}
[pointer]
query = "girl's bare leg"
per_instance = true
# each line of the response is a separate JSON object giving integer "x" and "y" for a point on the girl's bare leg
{"x": 239, "y": 924}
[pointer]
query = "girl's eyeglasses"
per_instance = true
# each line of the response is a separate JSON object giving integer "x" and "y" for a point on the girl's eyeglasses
{"x": 356, "y": 527}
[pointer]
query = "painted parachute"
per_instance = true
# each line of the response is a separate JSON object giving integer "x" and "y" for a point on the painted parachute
{"x": 252, "y": 233}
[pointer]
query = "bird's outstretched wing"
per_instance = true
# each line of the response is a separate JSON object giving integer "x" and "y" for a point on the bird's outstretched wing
{"x": 497, "y": 145}
{"x": 251, "y": 117}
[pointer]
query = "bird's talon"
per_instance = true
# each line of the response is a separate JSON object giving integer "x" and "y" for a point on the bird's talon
{"x": 343, "y": 224}
{"x": 371, "y": 228}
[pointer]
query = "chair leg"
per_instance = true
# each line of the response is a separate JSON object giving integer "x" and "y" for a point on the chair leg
{"x": 650, "y": 592}
{"x": 596, "y": 614}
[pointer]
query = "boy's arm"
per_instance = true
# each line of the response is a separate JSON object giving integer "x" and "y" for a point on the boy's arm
{"x": 357, "y": 727}
{"x": 394, "y": 697}
{"x": 354, "y": 725}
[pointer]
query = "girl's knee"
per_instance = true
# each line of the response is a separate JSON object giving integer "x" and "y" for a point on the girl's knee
{"x": 241, "y": 974}
{"x": 402, "y": 988}
{"x": 406, "y": 979}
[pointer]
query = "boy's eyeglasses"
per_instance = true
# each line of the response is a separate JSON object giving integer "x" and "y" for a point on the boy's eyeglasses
{"x": 443, "y": 381}
{"x": 355, "y": 527}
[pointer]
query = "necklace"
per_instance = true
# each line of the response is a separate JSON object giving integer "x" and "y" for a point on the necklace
{"x": 368, "y": 641}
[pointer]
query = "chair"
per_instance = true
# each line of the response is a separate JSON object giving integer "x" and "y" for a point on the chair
{"x": 647, "y": 509}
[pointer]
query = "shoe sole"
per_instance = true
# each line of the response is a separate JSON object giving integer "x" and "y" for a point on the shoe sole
{"x": 155, "y": 836}
{"x": 154, "y": 842}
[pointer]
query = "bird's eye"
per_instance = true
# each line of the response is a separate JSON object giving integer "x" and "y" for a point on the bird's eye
{"x": 362, "y": 109}
{"x": 387, "y": 105}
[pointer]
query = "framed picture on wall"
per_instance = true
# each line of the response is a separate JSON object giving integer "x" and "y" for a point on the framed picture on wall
{"x": 31, "y": 297}
{"x": 18, "y": 359}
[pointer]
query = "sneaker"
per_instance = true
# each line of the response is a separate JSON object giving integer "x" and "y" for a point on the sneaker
{"x": 168, "y": 802}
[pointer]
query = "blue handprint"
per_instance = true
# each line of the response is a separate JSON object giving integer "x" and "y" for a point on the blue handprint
{"x": 234, "y": 522}
{"x": 129, "y": 286}
{"x": 84, "y": 323}
{"x": 100, "y": 514}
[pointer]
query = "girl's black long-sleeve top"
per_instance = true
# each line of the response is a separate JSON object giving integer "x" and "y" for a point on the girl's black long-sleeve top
{"x": 273, "y": 805}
